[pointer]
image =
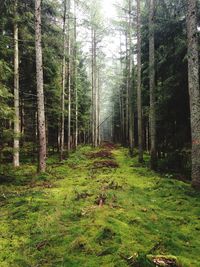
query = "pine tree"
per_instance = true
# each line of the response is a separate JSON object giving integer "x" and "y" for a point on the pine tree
{"x": 152, "y": 85}
{"x": 40, "y": 89}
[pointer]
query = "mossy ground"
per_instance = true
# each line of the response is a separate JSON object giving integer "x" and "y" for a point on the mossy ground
{"x": 54, "y": 219}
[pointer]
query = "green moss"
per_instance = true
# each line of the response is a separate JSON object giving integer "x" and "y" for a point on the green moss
{"x": 54, "y": 219}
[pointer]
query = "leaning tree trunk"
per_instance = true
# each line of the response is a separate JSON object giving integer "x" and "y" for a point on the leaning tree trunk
{"x": 62, "y": 130}
{"x": 139, "y": 91}
{"x": 16, "y": 90}
{"x": 40, "y": 89}
{"x": 152, "y": 85}
{"x": 194, "y": 93}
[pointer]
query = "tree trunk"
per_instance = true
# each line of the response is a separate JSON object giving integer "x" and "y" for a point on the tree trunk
{"x": 130, "y": 87}
{"x": 194, "y": 93}
{"x": 139, "y": 91}
{"x": 75, "y": 78}
{"x": 95, "y": 92}
{"x": 40, "y": 90}
{"x": 93, "y": 102}
{"x": 99, "y": 119}
{"x": 62, "y": 130}
{"x": 16, "y": 90}
{"x": 152, "y": 85}
{"x": 69, "y": 83}
{"x": 127, "y": 89}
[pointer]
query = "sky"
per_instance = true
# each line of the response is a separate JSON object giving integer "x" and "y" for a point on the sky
{"x": 111, "y": 43}
{"x": 108, "y": 8}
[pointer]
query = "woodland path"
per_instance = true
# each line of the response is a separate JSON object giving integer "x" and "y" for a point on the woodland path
{"x": 98, "y": 208}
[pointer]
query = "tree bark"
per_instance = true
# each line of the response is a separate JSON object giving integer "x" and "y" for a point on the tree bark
{"x": 75, "y": 78}
{"x": 194, "y": 93}
{"x": 62, "y": 132}
{"x": 139, "y": 91}
{"x": 16, "y": 90}
{"x": 69, "y": 82}
{"x": 152, "y": 88}
{"x": 95, "y": 93}
{"x": 40, "y": 89}
{"x": 127, "y": 88}
{"x": 130, "y": 87}
{"x": 93, "y": 80}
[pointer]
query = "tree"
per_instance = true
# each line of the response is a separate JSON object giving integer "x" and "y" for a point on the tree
{"x": 130, "y": 84}
{"x": 69, "y": 82}
{"x": 152, "y": 85}
{"x": 194, "y": 92}
{"x": 40, "y": 89}
{"x": 62, "y": 132}
{"x": 139, "y": 90}
{"x": 16, "y": 89}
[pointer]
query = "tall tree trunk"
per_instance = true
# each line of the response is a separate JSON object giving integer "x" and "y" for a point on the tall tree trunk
{"x": 16, "y": 90}
{"x": 75, "y": 78}
{"x": 93, "y": 101}
{"x": 99, "y": 119}
{"x": 127, "y": 88}
{"x": 95, "y": 92}
{"x": 193, "y": 84}
{"x": 62, "y": 132}
{"x": 40, "y": 90}
{"x": 139, "y": 91}
{"x": 69, "y": 82}
{"x": 152, "y": 85}
{"x": 130, "y": 87}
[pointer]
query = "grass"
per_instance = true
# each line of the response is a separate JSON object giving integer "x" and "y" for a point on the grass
{"x": 55, "y": 219}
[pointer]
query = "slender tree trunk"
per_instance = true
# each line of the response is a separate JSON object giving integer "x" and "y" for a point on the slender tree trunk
{"x": 69, "y": 82}
{"x": 99, "y": 119}
{"x": 62, "y": 132}
{"x": 75, "y": 78}
{"x": 127, "y": 88}
{"x": 130, "y": 87}
{"x": 95, "y": 92}
{"x": 121, "y": 102}
{"x": 93, "y": 102}
{"x": 40, "y": 90}
{"x": 16, "y": 90}
{"x": 152, "y": 85}
{"x": 139, "y": 89}
{"x": 194, "y": 92}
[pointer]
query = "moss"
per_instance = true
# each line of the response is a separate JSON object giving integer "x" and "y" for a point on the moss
{"x": 143, "y": 213}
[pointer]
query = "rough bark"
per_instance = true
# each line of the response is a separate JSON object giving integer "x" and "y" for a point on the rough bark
{"x": 16, "y": 91}
{"x": 194, "y": 93}
{"x": 40, "y": 89}
{"x": 152, "y": 88}
{"x": 62, "y": 130}
{"x": 139, "y": 91}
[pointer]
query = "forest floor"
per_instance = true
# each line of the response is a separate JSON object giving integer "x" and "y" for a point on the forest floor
{"x": 98, "y": 208}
